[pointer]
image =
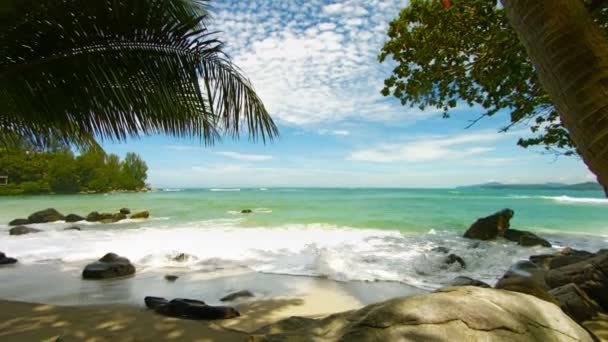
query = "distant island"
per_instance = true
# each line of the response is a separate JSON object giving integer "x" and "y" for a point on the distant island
{"x": 543, "y": 186}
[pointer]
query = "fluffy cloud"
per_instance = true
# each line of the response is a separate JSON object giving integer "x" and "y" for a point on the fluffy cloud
{"x": 427, "y": 149}
{"x": 312, "y": 62}
{"x": 245, "y": 157}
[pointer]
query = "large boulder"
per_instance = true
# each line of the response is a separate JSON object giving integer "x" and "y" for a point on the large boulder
{"x": 467, "y": 281}
{"x": 125, "y": 211}
{"x": 590, "y": 275}
{"x": 575, "y": 302}
{"x": 190, "y": 308}
{"x": 526, "y": 277}
{"x": 4, "y": 260}
{"x": 562, "y": 258}
{"x": 490, "y": 227}
{"x": 105, "y": 217}
{"x": 109, "y": 266}
{"x": 236, "y": 295}
{"x": 73, "y": 218}
{"x": 525, "y": 238}
{"x": 19, "y": 222}
{"x": 21, "y": 230}
{"x": 46, "y": 215}
{"x": 140, "y": 215}
{"x": 453, "y": 314}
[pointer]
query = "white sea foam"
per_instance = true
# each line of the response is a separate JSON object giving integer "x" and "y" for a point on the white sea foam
{"x": 224, "y": 190}
{"x": 565, "y": 199}
{"x": 339, "y": 253}
{"x": 172, "y": 190}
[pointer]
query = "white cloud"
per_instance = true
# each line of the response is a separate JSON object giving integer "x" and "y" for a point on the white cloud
{"x": 246, "y": 157}
{"x": 430, "y": 148}
{"x": 314, "y": 63}
{"x": 338, "y": 132}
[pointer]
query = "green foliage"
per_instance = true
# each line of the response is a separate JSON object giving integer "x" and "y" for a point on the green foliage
{"x": 469, "y": 53}
{"x": 58, "y": 171}
{"x": 74, "y": 70}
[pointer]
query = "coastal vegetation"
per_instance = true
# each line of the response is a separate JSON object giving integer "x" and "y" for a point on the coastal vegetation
{"x": 59, "y": 170}
{"x": 475, "y": 53}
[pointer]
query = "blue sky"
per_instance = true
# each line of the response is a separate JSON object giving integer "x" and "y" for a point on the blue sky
{"x": 314, "y": 65}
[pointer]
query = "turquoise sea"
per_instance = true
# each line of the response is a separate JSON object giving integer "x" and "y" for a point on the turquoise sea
{"x": 341, "y": 234}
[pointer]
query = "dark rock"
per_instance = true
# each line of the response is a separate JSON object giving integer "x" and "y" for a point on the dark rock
{"x": 155, "y": 302}
{"x": 141, "y": 215}
{"x": 527, "y": 269}
{"x": 530, "y": 240}
{"x": 575, "y": 302}
{"x": 490, "y": 227}
{"x": 20, "y": 230}
{"x": 466, "y": 281}
{"x": 171, "y": 278}
{"x": 441, "y": 249}
{"x": 72, "y": 228}
{"x": 590, "y": 275}
{"x": 46, "y": 215}
{"x": 452, "y": 258}
{"x": 190, "y": 308}
{"x": 19, "y": 222}
{"x": 236, "y": 295}
{"x": 112, "y": 218}
{"x": 4, "y": 260}
{"x": 109, "y": 266}
{"x": 182, "y": 257}
{"x": 94, "y": 217}
{"x": 73, "y": 218}
{"x": 562, "y": 258}
{"x": 526, "y": 285}
{"x": 246, "y": 211}
{"x": 525, "y": 238}
{"x": 125, "y": 211}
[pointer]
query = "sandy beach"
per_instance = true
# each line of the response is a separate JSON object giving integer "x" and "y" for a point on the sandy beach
{"x": 113, "y": 310}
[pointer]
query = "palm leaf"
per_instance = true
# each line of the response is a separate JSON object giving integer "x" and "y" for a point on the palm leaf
{"x": 116, "y": 68}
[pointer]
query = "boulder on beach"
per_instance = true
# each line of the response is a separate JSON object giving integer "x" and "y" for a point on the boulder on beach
{"x": 46, "y": 215}
{"x": 73, "y": 218}
{"x": 110, "y": 265}
{"x": 190, "y": 309}
{"x": 590, "y": 275}
{"x": 575, "y": 302}
{"x": 562, "y": 258}
{"x": 4, "y": 260}
{"x": 246, "y": 211}
{"x": 466, "y": 281}
{"x": 453, "y": 258}
{"x": 526, "y": 277}
{"x": 21, "y": 230}
{"x": 236, "y": 295}
{"x": 171, "y": 277}
{"x": 141, "y": 215}
{"x": 19, "y": 222}
{"x": 105, "y": 217}
{"x": 490, "y": 227}
{"x": 453, "y": 314}
{"x": 525, "y": 238}
{"x": 125, "y": 211}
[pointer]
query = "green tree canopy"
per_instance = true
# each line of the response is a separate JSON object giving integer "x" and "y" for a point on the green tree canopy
{"x": 75, "y": 70}
{"x": 454, "y": 52}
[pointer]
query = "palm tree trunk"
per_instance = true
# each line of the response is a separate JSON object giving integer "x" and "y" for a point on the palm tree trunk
{"x": 570, "y": 53}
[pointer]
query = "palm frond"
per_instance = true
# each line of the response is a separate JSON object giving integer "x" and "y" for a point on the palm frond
{"x": 118, "y": 68}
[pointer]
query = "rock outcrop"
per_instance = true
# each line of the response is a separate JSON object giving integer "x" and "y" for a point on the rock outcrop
{"x": 21, "y": 230}
{"x": 466, "y": 281}
{"x": 190, "y": 309}
{"x": 4, "y": 260}
{"x": 497, "y": 225}
{"x": 490, "y": 227}
{"x": 125, "y": 211}
{"x": 19, "y": 222}
{"x": 562, "y": 258}
{"x": 575, "y": 302}
{"x": 140, "y": 215}
{"x": 45, "y": 216}
{"x": 236, "y": 295}
{"x": 452, "y": 314}
{"x": 71, "y": 218}
{"x": 105, "y": 217}
{"x": 109, "y": 266}
{"x": 590, "y": 275}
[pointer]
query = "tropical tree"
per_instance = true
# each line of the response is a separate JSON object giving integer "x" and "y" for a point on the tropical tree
{"x": 451, "y": 53}
{"x": 570, "y": 53}
{"x": 75, "y": 70}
